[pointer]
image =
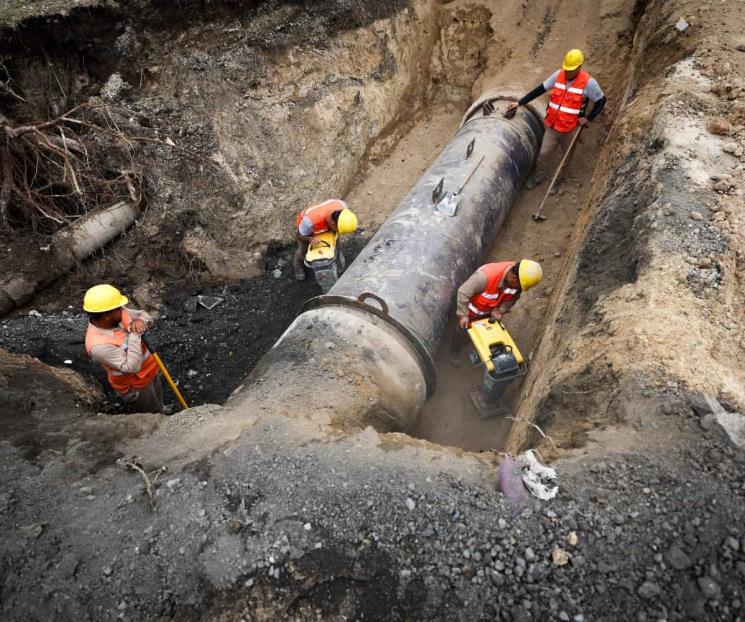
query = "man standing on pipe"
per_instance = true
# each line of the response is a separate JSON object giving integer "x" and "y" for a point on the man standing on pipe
{"x": 331, "y": 215}
{"x": 492, "y": 291}
{"x": 114, "y": 340}
{"x": 571, "y": 87}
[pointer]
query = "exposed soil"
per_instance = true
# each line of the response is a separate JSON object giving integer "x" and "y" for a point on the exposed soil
{"x": 244, "y": 513}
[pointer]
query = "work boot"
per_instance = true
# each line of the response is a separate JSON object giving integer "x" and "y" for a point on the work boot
{"x": 455, "y": 357}
{"x": 535, "y": 180}
{"x": 557, "y": 186}
{"x": 299, "y": 273}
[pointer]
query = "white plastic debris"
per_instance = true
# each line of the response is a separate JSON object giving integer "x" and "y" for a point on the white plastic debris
{"x": 537, "y": 477}
{"x": 681, "y": 25}
{"x": 68, "y": 362}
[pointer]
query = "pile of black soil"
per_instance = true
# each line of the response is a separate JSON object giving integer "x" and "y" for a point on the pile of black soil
{"x": 208, "y": 351}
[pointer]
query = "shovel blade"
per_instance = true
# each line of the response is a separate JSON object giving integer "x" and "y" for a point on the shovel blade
{"x": 538, "y": 217}
{"x": 448, "y": 205}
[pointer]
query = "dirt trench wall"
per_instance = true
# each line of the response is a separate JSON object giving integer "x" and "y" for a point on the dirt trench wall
{"x": 281, "y": 103}
{"x": 654, "y": 301}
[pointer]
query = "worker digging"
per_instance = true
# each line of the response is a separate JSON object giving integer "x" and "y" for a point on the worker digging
{"x": 115, "y": 340}
{"x": 331, "y": 215}
{"x": 491, "y": 292}
{"x": 571, "y": 87}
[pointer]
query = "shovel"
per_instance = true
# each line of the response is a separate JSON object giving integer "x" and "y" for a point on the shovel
{"x": 166, "y": 375}
{"x": 448, "y": 205}
{"x": 538, "y": 216}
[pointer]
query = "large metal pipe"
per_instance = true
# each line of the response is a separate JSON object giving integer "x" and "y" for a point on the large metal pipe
{"x": 364, "y": 353}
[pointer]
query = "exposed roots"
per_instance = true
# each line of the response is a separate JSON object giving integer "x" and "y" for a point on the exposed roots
{"x": 55, "y": 171}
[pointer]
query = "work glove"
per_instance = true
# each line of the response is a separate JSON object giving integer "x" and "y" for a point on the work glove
{"x": 511, "y": 111}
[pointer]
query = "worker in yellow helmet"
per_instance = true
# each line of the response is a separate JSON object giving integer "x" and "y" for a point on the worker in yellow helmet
{"x": 114, "y": 340}
{"x": 571, "y": 87}
{"x": 332, "y": 215}
{"x": 491, "y": 291}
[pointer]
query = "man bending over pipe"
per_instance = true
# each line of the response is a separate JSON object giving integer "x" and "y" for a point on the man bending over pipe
{"x": 571, "y": 87}
{"x": 114, "y": 340}
{"x": 331, "y": 215}
{"x": 492, "y": 291}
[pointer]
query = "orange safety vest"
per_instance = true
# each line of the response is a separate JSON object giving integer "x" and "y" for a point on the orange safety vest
{"x": 122, "y": 382}
{"x": 492, "y": 297}
{"x": 566, "y": 102}
{"x": 319, "y": 214}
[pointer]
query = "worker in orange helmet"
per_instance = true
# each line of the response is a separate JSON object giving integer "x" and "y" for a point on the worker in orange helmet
{"x": 571, "y": 87}
{"x": 114, "y": 340}
{"x": 492, "y": 291}
{"x": 331, "y": 215}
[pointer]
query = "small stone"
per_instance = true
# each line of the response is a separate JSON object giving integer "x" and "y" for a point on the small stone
{"x": 411, "y": 504}
{"x": 696, "y": 216}
{"x": 681, "y": 25}
{"x": 704, "y": 263}
{"x": 171, "y": 484}
{"x": 502, "y": 524}
{"x": 276, "y": 273}
{"x": 719, "y": 126}
{"x": 234, "y": 526}
{"x": 708, "y": 587}
{"x": 307, "y": 526}
{"x": 107, "y": 570}
{"x": 733, "y": 543}
{"x": 572, "y": 538}
{"x": 529, "y": 555}
{"x": 564, "y": 616}
{"x": 678, "y": 559}
{"x": 729, "y": 148}
{"x": 740, "y": 47}
{"x": 559, "y": 556}
{"x": 649, "y": 590}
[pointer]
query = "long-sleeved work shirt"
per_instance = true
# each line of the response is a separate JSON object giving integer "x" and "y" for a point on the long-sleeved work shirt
{"x": 476, "y": 284}
{"x": 129, "y": 360}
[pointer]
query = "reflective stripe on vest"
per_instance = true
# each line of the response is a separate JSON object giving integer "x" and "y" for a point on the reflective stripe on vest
{"x": 492, "y": 297}
{"x": 122, "y": 382}
{"x": 566, "y": 102}
{"x": 319, "y": 214}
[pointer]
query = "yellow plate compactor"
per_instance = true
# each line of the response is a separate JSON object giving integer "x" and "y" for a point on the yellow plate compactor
{"x": 503, "y": 362}
{"x": 326, "y": 260}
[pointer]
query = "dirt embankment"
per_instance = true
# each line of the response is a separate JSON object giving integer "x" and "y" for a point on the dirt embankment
{"x": 654, "y": 299}
{"x": 281, "y": 101}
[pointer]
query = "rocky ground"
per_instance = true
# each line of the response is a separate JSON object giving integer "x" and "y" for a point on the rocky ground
{"x": 402, "y": 532}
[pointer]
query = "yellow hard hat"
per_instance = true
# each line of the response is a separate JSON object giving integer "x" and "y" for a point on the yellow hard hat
{"x": 347, "y": 222}
{"x": 573, "y": 59}
{"x": 101, "y": 298}
{"x": 529, "y": 272}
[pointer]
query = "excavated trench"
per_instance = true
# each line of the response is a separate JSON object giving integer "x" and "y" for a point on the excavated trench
{"x": 281, "y": 504}
{"x": 428, "y": 62}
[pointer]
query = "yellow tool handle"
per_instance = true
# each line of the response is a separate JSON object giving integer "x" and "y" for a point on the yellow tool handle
{"x": 170, "y": 381}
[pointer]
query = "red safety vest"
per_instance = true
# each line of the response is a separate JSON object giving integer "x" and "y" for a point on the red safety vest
{"x": 319, "y": 214}
{"x": 566, "y": 102}
{"x": 482, "y": 304}
{"x": 121, "y": 382}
